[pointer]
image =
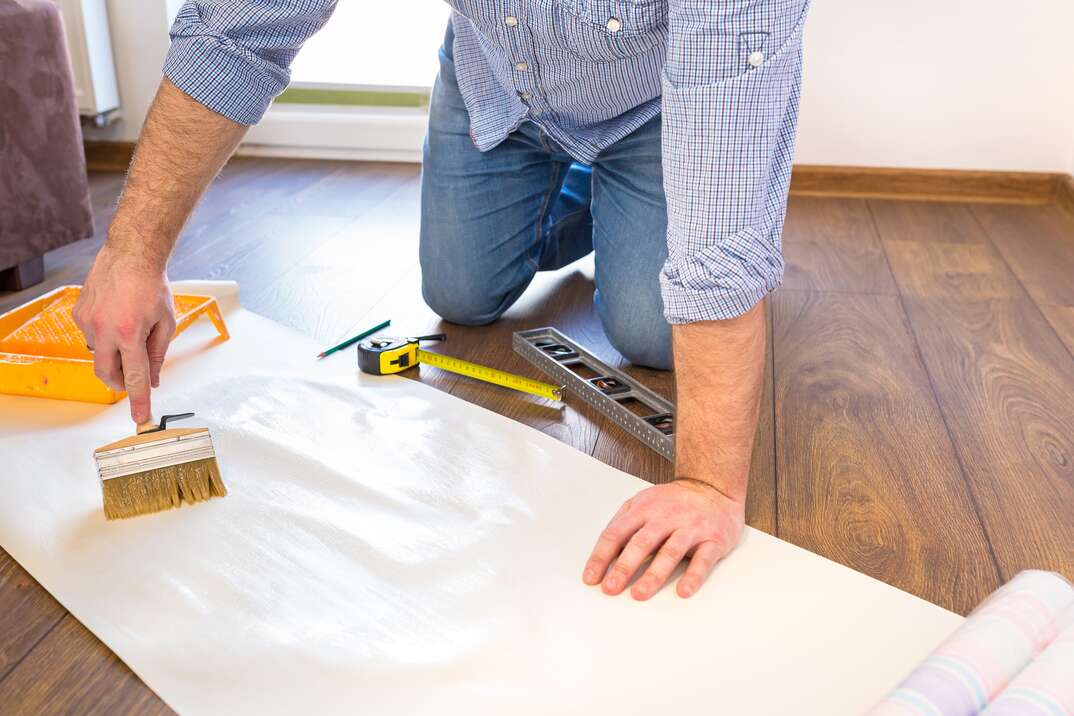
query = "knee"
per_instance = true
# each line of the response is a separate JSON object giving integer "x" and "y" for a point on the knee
{"x": 643, "y": 342}
{"x": 462, "y": 302}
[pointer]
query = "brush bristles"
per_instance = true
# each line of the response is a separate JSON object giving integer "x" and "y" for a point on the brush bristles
{"x": 162, "y": 489}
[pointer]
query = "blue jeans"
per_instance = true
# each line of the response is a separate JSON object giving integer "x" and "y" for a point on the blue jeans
{"x": 490, "y": 221}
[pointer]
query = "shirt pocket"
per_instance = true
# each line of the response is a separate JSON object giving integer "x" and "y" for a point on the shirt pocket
{"x": 610, "y": 30}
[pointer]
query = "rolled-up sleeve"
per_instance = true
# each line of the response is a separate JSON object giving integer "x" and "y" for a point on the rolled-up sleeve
{"x": 731, "y": 86}
{"x": 233, "y": 56}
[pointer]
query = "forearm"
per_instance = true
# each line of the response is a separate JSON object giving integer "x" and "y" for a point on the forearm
{"x": 719, "y": 369}
{"x": 182, "y": 147}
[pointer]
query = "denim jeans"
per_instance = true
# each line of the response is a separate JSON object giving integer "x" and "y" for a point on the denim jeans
{"x": 490, "y": 221}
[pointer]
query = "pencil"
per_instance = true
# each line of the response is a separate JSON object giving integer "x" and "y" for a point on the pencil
{"x": 352, "y": 341}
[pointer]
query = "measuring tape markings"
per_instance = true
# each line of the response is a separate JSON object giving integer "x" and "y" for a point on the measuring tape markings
{"x": 490, "y": 375}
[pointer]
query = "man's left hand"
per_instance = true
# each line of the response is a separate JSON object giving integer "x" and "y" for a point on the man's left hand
{"x": 682, "y": 519}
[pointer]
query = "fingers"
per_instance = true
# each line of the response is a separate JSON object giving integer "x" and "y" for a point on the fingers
{"x": 621, "y": 528}
{"x": 107, "y": 365}
{"x": 79, "y": 315}
{"x": 641, "y": 545}
{"x": 135, "y": 370}
{"x": 665, "y": 562}
{"x": 157, "y": 345}
{"x": 701, "y": 565}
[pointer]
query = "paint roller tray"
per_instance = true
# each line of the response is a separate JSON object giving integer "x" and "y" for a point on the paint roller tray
{"x": 43, "y": 353}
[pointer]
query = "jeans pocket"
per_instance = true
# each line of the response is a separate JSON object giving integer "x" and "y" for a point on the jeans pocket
{"x": 610, "y": 30}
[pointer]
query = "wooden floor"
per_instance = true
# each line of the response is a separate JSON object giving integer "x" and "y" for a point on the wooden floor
{"x": 918, "y": 420}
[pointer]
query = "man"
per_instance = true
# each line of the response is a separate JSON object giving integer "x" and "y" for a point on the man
{"x": 657, "y": 133}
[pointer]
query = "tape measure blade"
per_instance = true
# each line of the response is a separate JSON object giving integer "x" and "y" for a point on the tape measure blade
{"x": 489, "y": 375}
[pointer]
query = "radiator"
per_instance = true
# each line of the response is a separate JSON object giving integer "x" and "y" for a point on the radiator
{"x": 90, "y": 45}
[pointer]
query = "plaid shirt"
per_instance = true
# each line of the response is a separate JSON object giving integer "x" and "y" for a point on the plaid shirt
{"x": 726, "y": 74}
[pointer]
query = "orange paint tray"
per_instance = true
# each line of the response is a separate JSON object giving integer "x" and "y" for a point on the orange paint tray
{"x": 43, "y": 353}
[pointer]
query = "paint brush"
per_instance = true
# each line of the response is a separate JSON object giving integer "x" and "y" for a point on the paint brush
{"x": 352, "y": 341}
{"x": 158, "y": 469}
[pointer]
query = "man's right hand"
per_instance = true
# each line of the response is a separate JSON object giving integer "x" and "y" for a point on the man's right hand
{"x": 127, "y": 315}
{"x": 126, "y": 309}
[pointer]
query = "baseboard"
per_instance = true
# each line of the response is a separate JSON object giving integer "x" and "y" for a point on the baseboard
{"x": 807, "y": 179}
{"x": 104, "y": 156}
{"x": 1065, "y": 195}
{"x": 925, "y": 184}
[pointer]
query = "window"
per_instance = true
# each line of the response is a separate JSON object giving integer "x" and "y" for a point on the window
{"x": 375, "y": 45}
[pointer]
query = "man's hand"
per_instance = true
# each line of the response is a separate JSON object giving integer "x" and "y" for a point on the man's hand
{"x": 719, "y": 368}
{"x": 683, "y": 519}
{"x": 125, "y": 311}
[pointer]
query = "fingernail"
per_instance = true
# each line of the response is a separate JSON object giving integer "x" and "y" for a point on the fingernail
{"x": 611, "y": 583}
{"x": 686, "y": 590}
{"x": 589, "y": 576}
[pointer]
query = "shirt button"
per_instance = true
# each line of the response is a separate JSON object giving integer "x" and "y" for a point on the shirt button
{"x": 614, "y": 25}
{"x": 510, "y": 21}
{"x": 756, "y": 59}
{"x": 522, "y": 66}
{"x": 525, "y": 96}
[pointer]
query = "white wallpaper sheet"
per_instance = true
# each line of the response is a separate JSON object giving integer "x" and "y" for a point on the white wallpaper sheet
{"x": 389, "y": 549}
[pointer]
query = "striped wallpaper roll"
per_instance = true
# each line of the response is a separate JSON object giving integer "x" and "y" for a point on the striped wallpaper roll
{"x": 1046, "y": 686}
{"x": 1009, "y": 629}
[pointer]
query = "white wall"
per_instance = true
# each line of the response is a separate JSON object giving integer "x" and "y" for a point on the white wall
{"x": 966, "y": 84}
{"x": 962, "y": 84}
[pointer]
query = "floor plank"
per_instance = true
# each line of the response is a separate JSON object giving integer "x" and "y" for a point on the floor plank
{"x": 1038, "y": 244}
{"x": 71, "y": 671}
{"x": 1062, "y": 320}
{"x": 969, "y": 272}
{"x": 831, "y": 245}
{"x": 1004, "y": 382}
{"x": 27, "y": 613}
{"x": 867, "y": 474}
{"x": 927, "y": 221}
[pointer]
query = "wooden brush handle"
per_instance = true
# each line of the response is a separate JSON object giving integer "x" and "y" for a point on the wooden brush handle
{"x": 147, "y": 426}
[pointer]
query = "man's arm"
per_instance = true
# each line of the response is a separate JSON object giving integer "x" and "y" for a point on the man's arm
{"x": 719, "y": 372}
{"x": 729, "y": 109}
{"x": 228, "y": 60}
{"x": 125, "y": 308}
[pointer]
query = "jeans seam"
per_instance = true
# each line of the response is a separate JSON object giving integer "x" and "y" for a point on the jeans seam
{"x": 553, "y": 190}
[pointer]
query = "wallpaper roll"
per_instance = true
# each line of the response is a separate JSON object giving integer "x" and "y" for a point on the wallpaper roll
{"x": 1014, "y": 625}
{"x": 1046, "y": 685}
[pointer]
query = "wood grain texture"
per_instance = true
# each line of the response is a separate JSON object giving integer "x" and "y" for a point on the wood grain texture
{"x": 972, "y": 272}
{"x": 1004, "y": 382}
{"x": 1038, "y": 244}
{"x": 27, "y": 613}
{"x": 867, "y": 474}
{"x": 71, "y": 672}
{"x": 1062, "y": 320}
{"x": 831, "y": 245}
{"x": 927, "y": 222}
{"x": 923, "y": 184}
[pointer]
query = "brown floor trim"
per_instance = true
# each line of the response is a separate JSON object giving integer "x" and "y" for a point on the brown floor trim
{"x": 925, "y": 184}
{"x": 1065, "y": 196}
{"x": 108, "y": 156}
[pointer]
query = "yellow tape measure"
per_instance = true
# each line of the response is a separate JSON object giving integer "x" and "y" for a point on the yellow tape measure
{"x": 384, "y": 356}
